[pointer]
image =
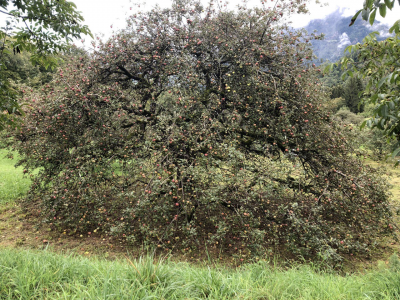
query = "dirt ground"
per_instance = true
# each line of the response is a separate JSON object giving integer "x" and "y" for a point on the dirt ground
{"x": 21, "y": 230}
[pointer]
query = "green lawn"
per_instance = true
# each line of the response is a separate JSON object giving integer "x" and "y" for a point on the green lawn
{"x": 45, "y": 275}
{"x": 13, "y": 184}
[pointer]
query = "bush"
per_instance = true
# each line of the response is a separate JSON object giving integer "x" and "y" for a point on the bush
{"x": 345, "y": 116}
{"x": 200, "y": 125}
{"x": 333, "y": 105}
{"x": 364, "y": 139}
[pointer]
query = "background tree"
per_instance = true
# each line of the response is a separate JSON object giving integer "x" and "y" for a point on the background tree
{"x": 351, "y": 93}
{"x": 200, "y": 125}
{"x": 42, "y": 28}
{"x": 337, "y": 91}
{"x": 20, "y": 70}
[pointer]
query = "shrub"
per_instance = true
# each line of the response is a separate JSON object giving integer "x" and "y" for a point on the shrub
{"x": 344, "y": 115}
{"x": 200, "y": 125}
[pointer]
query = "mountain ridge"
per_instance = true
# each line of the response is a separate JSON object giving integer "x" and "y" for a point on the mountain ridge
{"x": 339, "y": 35}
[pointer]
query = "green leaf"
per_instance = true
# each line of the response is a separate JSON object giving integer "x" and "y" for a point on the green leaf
{"x": 384, "y": 111}
{"x": 354, "y": 18}
{"x": 381, "y": 82}
{"x": 396, "y": 152}
{"x": 374, "y": 98}
{"x": 395, "y": 27}
{"x": 328, "y": 68}
{"x": 381, "y": 124}
{"x": 363, "y": 124}
{"x": 389, "y": 4}
{"x": 350, "y": 48}
{"x": 393, "y": 76}
{"x": 372, "y": 17}
{"x": 382, "y": 10}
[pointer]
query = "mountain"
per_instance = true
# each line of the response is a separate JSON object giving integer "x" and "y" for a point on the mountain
{"x": 338, "y": 34}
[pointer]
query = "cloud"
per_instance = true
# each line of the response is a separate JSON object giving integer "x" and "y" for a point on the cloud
{"x": 343, "y": 40}
{"x": 379, "y": 28}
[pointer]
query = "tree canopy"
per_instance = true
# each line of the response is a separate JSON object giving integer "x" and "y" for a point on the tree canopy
{"x": 200, "y": 126}
{"x": 40, "y": 27}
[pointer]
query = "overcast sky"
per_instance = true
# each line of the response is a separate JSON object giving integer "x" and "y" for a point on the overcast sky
{"x": 100, "y": 15}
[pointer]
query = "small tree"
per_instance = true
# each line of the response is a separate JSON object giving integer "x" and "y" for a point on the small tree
{"x": 351, "y": 94}
{"x": 201, "y": 125}
{"x": 337, "y": 91}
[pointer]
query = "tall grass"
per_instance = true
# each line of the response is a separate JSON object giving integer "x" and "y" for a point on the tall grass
{"x": 45, "y": 275}
{"x": 13, "y": 184}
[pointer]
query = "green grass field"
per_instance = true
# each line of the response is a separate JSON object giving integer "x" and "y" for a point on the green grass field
{"x": 45, "y": 275}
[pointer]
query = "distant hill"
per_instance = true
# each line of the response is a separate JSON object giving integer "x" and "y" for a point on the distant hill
{"x": 338, "y": 34}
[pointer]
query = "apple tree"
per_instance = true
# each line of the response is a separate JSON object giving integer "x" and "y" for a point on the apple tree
{"x": 201, "y": 125}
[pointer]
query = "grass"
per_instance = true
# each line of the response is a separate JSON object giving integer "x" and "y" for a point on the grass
{"x": 13, "y": 184}
{"x": 45, "y": 275}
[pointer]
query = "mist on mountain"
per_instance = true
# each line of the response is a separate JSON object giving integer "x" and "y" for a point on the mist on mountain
{"x": 338, "y": 34}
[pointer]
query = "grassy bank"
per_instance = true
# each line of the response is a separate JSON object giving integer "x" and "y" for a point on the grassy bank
{"x": 45, "y": 275}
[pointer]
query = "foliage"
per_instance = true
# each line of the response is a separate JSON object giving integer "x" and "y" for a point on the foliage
{"x": 336, "y": 78}
{"x": 333, "y": 105}
{"x": 378, "y": 145}
{"x": 200, "y": 125}
{"x": 349, "y": 91}
{"x": 367, "y": 142}
{"x": 21, "y": 70}
{"x": 8, "y": 103}
{"x": 346, "y": 116}
{"x": 375, "y": 141}
{"x": 47, "y": 27}
{"x": 370, "y": 8}
{"x": 378, "y": 64}
{"x": 351, "y": 94}
{"x": 337, "y": 91}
